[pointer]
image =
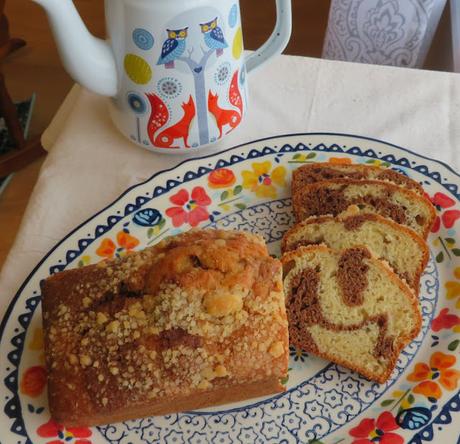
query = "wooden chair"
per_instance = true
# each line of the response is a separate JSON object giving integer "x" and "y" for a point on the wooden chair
{"x": 23, "y": 152}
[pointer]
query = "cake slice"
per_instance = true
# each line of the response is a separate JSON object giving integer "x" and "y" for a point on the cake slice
{"x": 316, "y": 172}
{"x": 196, "y": 320}
{"x": 403, "y": 249}
{"x": 349, "y": 308}
{"x": 332, "y": 197}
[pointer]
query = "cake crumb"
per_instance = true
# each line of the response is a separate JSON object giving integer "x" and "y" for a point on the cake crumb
{"x": 276, "y": 349}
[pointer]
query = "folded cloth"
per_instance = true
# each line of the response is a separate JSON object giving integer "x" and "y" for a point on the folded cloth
{"x": 90, "y": 163}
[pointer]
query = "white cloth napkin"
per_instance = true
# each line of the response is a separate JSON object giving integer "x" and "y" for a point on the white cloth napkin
{"x": 89, "y": 163}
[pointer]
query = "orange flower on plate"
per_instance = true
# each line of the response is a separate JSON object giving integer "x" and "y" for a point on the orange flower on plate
{"x": 431, "y": 377}
{"x": 221, "y": 178}
{"x": 126, "y": 242}
{"x": 33, "y": 381}
{"x": 339, "y": 160}
{"x": 107, "y": 248}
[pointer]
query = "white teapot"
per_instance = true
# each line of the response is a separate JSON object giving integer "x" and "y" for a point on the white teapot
{"x": 175, "y": 69}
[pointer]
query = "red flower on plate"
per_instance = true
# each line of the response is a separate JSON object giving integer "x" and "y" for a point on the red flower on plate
{"x": 74, "y": 435}
{"x": 33, "y": 381}
{"x": 449, "y": 217}
{"x": 370, "y": 431}
{"x": 445, "y": 320}
{"x": 189, "y": 209}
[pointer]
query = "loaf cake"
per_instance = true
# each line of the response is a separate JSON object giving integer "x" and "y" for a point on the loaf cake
{"x": 332, "y": 197}
{"x": 316, "y": 172}
{"x": 403, "y": 249}
{"x": 197, "y": 320}
{"x": 349, "y": 308}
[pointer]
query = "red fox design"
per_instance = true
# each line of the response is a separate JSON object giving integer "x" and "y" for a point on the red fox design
{"x": 227, "y": 116}
{"x": 159, "y": 118}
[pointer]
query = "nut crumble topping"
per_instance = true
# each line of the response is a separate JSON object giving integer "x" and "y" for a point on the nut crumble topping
{"x": 197, "y": 311}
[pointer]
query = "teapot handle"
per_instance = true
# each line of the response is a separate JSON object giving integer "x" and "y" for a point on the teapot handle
{"x": 278, "y": 40}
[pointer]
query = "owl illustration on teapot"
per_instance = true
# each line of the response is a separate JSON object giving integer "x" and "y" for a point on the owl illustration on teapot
{"x": 175, "y": 72}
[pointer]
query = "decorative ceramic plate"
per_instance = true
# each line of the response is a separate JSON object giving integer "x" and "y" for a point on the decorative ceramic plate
{"x": 247, "y": 188}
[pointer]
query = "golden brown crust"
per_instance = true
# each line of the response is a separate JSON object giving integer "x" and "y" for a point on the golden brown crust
{"x": 206, "y": 398}
{"x": 196, "y": 313}
{"x": 316, "y": 172}
{"x": 327, "y": 198}
{"x": 392, "y": 353}
{"x": 347, "y": 220}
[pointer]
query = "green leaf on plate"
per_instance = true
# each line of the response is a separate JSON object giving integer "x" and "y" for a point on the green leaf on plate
{"x": 453, "y": 345}
{"x": 450, "y": 240}
{"x": 150, "y": 233}
{"x": 224, "y": 196}
{"x": 237, "y": 190}
{"x": 386, "y": 164}
{"x": 440, "y": 257}
{"x": 240, "y": 206}
{"x": 369, "y": 161}
{"x": 284, "y": 380}
{"x": 411, "y": 399}
{"x": 161, "y": 224}
{"x": 456, "y": 251}
{"x": 387, "y": 402}
{"x": 297, "y": 156}
{"x": 315, "y": 441}
{"x": 311, "y": 155}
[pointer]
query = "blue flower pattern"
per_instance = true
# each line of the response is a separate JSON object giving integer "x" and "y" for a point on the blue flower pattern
{"x": 333, "y": 398}
{"x": 271, "y": 431}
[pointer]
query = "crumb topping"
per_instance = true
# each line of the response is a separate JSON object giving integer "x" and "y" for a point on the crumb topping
{"x": 197, "y": 310}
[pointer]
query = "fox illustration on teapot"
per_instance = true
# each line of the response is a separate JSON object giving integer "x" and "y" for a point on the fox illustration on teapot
{"x": 175, "y": 71}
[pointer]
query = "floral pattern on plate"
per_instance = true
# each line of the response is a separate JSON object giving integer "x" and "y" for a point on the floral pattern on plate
{"x": 247, "y": 188}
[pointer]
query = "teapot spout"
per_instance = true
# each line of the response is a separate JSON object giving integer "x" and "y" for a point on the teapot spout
{"x": 89, "y": 60}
